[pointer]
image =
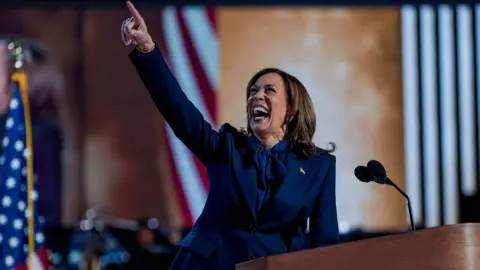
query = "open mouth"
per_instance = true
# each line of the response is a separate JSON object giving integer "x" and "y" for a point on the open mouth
{"x": 260, "y": 113}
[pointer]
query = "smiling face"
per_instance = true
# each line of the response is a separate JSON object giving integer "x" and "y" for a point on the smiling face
{"x": 278, "y": 108}
{"x": 267, "y": 106}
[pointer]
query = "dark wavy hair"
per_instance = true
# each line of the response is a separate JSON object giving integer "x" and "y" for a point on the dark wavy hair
{"x": 302, "y": 124}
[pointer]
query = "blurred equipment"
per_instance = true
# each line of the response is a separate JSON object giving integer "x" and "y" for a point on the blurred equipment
{"x": 104, "y": 242}
{"x": 94, "y": 247}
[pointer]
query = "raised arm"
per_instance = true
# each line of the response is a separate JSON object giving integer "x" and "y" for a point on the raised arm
{"x": 184, "y": 118}
{"x": 324, "y": 222}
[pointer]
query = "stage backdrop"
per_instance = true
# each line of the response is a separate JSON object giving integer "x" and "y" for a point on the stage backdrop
{"x": 126, "y": 163}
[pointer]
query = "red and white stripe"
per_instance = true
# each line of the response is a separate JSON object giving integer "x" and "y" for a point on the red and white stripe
{"x": 191, "y": 43}
{"x": 40, "y": 261}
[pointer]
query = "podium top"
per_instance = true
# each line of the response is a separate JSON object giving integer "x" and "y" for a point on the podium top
{"x": 446, "y": 247}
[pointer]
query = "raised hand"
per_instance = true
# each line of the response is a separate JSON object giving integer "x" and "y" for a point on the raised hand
{"x": 134, "y": 31}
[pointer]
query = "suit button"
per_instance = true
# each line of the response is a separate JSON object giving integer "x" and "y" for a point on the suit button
{"x": 252, "y": 228}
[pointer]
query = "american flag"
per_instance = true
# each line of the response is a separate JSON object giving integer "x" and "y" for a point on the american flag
{"x": 14, "y": 211}
{"x": 191, "y": 48}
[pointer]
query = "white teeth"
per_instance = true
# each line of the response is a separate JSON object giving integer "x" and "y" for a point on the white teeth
{"x": 259, "y": 109}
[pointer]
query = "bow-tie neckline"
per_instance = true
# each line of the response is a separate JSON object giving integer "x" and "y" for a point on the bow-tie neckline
{"x": 269, "y": 162}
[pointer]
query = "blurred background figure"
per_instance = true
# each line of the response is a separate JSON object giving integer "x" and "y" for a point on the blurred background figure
{"x": 44, "y": 82}
{"x": 155, "y": 250}
{"x": 146, "y": 236}
{"x": 5, "y": 89}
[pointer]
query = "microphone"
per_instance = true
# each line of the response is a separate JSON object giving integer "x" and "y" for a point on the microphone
{"x": 363, "y": 174}
{"x": 375, "y": 171}
{"x": 366, "y": 175}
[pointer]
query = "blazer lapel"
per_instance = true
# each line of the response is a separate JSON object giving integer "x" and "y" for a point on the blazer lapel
{"x": 246, "y": 176}
{"x": 287, "y": 194}
{"x": 293, "y": 180}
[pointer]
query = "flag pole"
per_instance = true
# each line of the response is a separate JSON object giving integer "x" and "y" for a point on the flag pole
{"x": 20, "y": 77}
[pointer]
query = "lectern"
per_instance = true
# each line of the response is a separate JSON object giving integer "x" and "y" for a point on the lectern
{"x": 446, "y": 247}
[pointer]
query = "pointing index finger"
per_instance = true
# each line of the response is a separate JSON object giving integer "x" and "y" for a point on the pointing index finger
{"x": 133, "y": 11}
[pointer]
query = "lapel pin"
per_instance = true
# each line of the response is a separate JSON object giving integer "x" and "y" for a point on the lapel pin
{"x": 302, "y": 171}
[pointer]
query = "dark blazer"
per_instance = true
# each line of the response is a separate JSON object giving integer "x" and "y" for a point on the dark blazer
{"x": 229, "y": 231}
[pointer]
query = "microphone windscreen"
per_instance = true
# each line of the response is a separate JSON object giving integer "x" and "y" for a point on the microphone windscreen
{"x": 363, "y": 174}
{"x": 377, "y": 168}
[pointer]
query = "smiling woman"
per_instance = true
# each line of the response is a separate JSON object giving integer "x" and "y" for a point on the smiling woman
{"x": 264, "y": 185}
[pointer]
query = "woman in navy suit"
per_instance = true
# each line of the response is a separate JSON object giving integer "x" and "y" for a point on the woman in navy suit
{"x": 266, "y": 183}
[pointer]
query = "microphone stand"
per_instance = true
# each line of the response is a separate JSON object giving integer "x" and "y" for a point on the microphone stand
{"x": 391, "y": 183}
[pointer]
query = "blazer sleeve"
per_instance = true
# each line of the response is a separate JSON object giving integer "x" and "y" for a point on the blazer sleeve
{"x": 186, "y": 121}
{"x": 323, "y": 221}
